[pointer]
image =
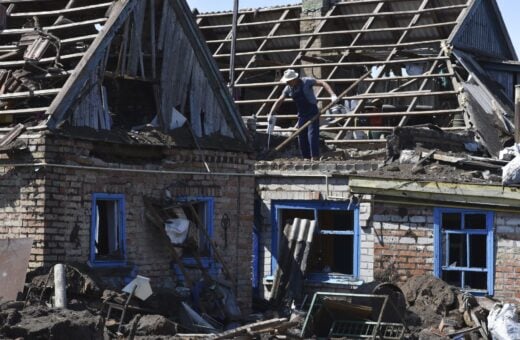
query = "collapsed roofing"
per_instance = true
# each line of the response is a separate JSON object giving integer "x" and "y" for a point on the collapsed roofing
{"x": 429, "y": 62}
{"x": 72, "y": 63}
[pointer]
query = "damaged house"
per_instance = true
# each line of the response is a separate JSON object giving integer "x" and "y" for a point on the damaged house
{"x": 409, "y": 181}
{"x": 114, "y": 121}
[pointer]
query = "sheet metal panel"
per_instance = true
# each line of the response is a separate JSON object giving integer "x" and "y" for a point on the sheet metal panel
{"x": 14, "y": 260}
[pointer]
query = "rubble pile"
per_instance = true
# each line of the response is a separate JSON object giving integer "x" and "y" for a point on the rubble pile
{"x": 42, "y": 322}
{"x": 423, "y": 307}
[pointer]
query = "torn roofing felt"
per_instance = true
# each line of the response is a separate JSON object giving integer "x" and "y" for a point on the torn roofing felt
{"x": 407, "y": 44}
{"x": 111, "y": 64}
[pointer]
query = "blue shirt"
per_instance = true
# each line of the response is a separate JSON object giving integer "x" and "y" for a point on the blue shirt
{"x": 307, "y": 83}
{"x": 304, "y": 97}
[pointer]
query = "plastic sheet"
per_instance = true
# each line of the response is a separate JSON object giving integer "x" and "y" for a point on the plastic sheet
{"x": 503, "y": 322}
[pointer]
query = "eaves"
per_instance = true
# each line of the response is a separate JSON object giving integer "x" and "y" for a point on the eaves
{"x": 431, "y": 191}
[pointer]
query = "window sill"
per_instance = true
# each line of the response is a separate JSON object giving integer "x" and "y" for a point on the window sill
{"x": 108, "y": 264}
{"x": 323, "y": 278}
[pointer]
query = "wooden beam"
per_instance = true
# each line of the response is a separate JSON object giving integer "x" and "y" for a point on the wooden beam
{"x": 376, "y": 95}
{"x": 21, "y": 95}
{"x": 54, "y": 28}
{"x": 295, "y": 60}
{"x": 61, "y": 11}
{"x": 350, "y": 63}
{"x": 21, "y": 63}
{"x": 328, "y": 33}
{"x": 350, "y": 80}
{"x": 261, "y": 47}
{"x": 23, "y": 111}
{"x": 335, "y": 17}
{"x": 337, "y": 48}
{"x": 391, "y": 55}
{"x": 89, "y": 62}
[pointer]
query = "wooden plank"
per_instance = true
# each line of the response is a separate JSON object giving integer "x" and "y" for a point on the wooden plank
{"x": 350, "y": 80}
{"x": 56, "y": 27}
{"x": 332, "y": 33}
{"x": 373, "y": 95}
{"x": 15, "y": 63}
{"x": 345, "y": 54}
{"x": 343, "y": 64}
{"x": 23, "y": 111}
{"x": 297, "y": 59}
{"x": 90, "y": 60}
{"x": 335, "y": 48}
{"x": 261, "y": 47}
{"x": 61, "y": 11}
{"x": 27, "y": 94}
{"x": 334, "y": 17}
{"x": 390, "y": 56}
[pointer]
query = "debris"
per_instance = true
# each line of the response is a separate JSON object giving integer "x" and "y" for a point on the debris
{"x": 511, "y": 172}
{"x": 40, "y": 322}
{"x": 292, "y": 265}
{"x": 140, "y": 287}
{"x": 60, "y": 284}
{"x": 148, "y": 325}
{"x": 255, "y": 328}
{"x": 14, "y": 260}
{"x": 336, "y": 315}
{"x": 503, "y": 322}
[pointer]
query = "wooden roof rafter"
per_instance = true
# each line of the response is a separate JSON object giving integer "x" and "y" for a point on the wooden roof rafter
{"x": 359, "y": 34}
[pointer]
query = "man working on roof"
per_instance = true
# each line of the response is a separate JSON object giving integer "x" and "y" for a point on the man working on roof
{"x": 300, "y": 90}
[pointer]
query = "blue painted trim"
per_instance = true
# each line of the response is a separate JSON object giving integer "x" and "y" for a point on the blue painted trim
{"x": 490, "y": 260}
{"x": 120, "y": 198}
{"x": 437, "y": 244}
{"x": 490, "y": 244}
{"x": 256, "y": 258}
{"x": 276, "y": 227}
{"x": 207, "y": 262}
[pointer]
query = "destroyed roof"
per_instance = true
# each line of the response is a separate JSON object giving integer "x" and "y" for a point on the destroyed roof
{"x": 418, "y": 54}
{"x": 110, "y": 64}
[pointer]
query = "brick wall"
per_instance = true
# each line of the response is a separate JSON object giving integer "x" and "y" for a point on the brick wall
{"x": 53, "y": 204}
{"x": 403, "y": 241}
{"x": 507, "y": 270}
{"x": 22, "y": 202}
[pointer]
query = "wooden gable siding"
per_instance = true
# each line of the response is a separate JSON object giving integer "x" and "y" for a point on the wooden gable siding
{"x": 481, "y": 33}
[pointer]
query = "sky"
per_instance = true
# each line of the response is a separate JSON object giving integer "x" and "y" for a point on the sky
{"x": 509, "y": 9}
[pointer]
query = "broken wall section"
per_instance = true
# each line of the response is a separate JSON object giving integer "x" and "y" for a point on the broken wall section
{"x": 54, "y": 204}
{"x": 22, "y": 203}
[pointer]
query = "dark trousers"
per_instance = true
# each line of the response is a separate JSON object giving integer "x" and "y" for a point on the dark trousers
{"x": 309, "y": 138}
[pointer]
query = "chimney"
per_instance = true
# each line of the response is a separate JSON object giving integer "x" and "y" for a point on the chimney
{"x": 312, "y": 8}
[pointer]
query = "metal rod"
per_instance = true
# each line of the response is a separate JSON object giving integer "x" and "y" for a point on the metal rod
{"x": 233, "y": 47}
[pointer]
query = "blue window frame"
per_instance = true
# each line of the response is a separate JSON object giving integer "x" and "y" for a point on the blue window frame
{"x": 464, "y": 249}
{"x": 335, "y": 250}
{"x": 107, "y": 231}
{"x": 204, "y": 206}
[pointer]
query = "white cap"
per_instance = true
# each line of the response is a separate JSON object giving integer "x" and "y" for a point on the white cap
{"x": 288, "y": 75}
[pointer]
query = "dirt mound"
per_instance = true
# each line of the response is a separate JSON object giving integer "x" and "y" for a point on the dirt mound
{"x": 40, "y": 322}
{"x": 429, "y": 299}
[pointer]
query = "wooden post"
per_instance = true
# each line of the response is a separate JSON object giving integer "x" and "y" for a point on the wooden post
{"x": 517, "y": 114}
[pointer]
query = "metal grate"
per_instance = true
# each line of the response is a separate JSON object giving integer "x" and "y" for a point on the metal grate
{"x": 367, "y": 329}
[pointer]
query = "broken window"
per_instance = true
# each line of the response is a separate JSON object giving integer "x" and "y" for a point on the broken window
{"x": 108, "y": 229}
{"x": 464, "y": 249}
{"x": 199, "y": 211}
{"x": 334, "y": 249}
